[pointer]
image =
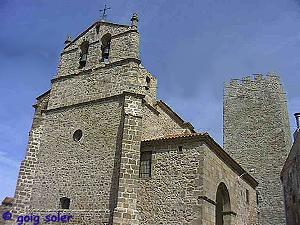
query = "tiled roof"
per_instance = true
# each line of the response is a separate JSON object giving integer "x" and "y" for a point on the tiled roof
{"x": 174, "y": 136}
{"x": 213, "y": 146}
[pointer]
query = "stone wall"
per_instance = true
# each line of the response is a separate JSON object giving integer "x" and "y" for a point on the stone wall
{"x": 183, "y": 186}
{"x": 82, "y": 171}
{"x": 257, "y": 135}
{"x": 157, "y": 123}
{"x": 124, "y": 44}
{"x": 216, "y": 171}
{"x": 151, "y": 93}
{"x": 126, "y": 212}
{"x": 28, "y": 166}
{"x": 170, "y": 196}
{"x": 91, "y": 85}
{"x": 99, "y": 172}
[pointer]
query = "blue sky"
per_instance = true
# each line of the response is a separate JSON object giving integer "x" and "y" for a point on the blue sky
{"x": 191, "y": 46}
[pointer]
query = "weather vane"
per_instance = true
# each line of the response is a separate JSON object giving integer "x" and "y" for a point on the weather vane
{"x": 104, "y": 15}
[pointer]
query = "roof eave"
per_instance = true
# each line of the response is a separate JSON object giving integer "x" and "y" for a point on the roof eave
{"x": 216, "y": 148}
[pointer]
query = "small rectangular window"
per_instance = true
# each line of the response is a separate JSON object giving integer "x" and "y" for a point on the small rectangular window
{"x": 65, "y": 203}
{"x": 145, "y": 164}
{"x": 180, "y": 149}
{"x": 247, "y": 196}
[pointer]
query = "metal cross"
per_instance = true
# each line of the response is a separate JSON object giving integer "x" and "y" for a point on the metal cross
{"x": 104, "y": 15}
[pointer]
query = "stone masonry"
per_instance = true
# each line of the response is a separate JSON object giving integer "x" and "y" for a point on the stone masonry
{"x": 99, "y": 99}
{"x": 91, "y": 130}
{"x": 257, "y": 135}
{"x": 183, "y": 184}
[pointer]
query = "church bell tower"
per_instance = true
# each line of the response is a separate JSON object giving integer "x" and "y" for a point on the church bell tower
{"x": 84, "y": 145}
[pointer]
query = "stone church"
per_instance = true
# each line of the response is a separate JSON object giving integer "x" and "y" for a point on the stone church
{"x": 104, "y": 150}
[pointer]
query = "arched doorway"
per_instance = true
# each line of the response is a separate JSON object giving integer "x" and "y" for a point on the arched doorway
{"x": 223, "y": 207}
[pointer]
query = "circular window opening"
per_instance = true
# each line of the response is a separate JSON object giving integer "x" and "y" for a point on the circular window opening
{"x": 77, "y": 135}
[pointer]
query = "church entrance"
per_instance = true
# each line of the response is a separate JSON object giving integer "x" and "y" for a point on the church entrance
{"x": 223, "y": 207}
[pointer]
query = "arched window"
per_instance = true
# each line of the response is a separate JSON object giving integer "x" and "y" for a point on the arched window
{"x": 83, "y": 54}
{"x": 223, "y": 208}
{"x": 105, "y": 47}
{"x": 147, "y": 83}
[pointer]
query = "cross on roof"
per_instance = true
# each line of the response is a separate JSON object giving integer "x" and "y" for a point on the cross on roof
{"x": 104, "y": 15}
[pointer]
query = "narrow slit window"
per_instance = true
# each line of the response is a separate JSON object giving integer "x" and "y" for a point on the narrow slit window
{"x": 145, "y": 164}
{"x": 180, "y": 149}
{"x": 247, "y": 196}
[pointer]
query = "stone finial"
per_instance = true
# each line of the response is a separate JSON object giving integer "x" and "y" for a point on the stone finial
{"x": 134, "y": 21}
{"x": 68, "y": 40}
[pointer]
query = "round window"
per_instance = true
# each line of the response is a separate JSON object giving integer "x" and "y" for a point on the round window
{"x": 77, "y": 135}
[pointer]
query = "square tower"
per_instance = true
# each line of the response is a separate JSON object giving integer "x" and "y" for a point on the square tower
{"x": 257, "y": 135}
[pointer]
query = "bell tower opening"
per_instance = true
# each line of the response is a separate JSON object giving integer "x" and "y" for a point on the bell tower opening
{"x": 147, "y": 83}
{"x": 105, "y": 47}
{"x": 83, "y": 55}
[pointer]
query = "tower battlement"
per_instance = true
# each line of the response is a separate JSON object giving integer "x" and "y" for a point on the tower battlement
{"x": 255, "y": 78}
{"x": 268, "y": 88}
